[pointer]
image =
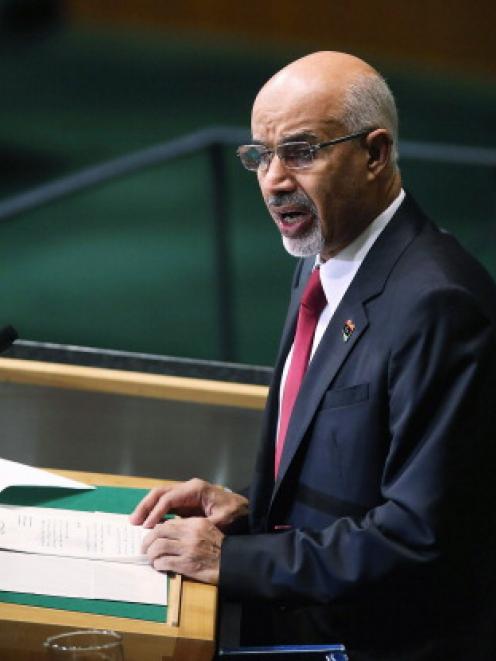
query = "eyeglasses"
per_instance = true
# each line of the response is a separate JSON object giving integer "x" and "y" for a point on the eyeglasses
{"x": 293, "y": 155}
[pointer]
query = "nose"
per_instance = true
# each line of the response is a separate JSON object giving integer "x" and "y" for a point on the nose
{"x": 276, "y": 178}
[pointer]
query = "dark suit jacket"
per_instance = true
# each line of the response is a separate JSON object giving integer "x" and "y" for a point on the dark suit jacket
{"x": 387, "y": 481}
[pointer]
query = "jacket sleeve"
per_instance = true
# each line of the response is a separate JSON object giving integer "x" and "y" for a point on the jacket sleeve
{"x": 441, "y": 368}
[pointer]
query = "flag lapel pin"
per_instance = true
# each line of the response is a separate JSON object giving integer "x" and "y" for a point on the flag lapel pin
{"x": 348, "y": 330}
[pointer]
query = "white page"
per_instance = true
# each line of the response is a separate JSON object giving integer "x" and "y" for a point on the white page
{"x": 70, "y": 533}
{"x": 84, "y": 579}
{"x": 14, "y": 474}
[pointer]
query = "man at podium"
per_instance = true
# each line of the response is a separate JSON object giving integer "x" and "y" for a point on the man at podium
{"x": 369, "y": 520}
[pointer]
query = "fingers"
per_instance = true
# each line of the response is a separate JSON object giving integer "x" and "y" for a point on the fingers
{"x": 167, "y": 530}
{"x": 162, "y": 546}
{"x": 192, "y": 498}
{"x": 144, "y": 507}
{"x": 188, "y": 546}
{"x": 162, "y": 500}
{"x": 184, "y": 495}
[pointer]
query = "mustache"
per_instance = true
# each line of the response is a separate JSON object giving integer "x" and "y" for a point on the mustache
{"x": 290, "y": 199}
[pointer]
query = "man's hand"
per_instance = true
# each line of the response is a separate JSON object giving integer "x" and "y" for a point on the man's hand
{"x": 190, "y": 547}
{"x": 192, "y": 498}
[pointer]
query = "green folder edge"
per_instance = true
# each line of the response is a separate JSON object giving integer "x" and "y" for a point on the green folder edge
{"x": 116, "y": 500}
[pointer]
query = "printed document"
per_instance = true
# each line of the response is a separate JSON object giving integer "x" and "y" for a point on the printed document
{"x": 89, "y": 555}
{"x": 66, "y": 553}
{"x": 69, "y": 533}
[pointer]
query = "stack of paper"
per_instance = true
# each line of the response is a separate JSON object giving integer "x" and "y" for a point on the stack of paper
{"x": 91, "y": 555}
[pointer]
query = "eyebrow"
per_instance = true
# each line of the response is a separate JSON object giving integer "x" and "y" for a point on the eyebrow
{"x": 302, "y": 136}
{"x": 299, "y": 137}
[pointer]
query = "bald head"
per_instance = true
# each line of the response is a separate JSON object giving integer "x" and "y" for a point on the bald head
{"x": 326, "y": 73}
{"x": 346, "y": 91}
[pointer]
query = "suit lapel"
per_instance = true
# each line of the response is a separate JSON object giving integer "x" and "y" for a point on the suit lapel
{"x": 332, "y": 351}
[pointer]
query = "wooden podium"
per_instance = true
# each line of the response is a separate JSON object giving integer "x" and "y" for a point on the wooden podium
{"x": 188, "y": 635}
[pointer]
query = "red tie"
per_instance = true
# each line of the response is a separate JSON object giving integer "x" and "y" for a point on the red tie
{"x": 312, "y": 303}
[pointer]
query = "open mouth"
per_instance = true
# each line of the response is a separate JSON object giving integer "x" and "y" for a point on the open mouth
{"x": 289, "y": 216}
{"x": 293, "y": 222}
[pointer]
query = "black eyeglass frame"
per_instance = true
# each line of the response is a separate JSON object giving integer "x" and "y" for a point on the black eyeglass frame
{"x": 311, "y": 149}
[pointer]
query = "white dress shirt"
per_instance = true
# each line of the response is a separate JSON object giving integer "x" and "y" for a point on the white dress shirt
{"x": 337, "y": 273}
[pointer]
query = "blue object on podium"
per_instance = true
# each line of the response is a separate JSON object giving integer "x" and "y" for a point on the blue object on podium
{"x": 286, "y": 652}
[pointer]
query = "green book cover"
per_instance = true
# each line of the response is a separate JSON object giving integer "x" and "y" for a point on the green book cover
{"x": 116, "y": 500}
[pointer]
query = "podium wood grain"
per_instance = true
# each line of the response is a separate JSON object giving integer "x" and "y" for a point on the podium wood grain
{"x": 138, "y": 384}
{"x": 24, "y": 628}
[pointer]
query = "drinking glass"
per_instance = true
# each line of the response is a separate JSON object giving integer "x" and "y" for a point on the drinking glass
{"x": 87, "y": 645}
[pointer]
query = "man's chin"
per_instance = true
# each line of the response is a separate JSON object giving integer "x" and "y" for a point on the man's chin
{"x": 305, "y": 246}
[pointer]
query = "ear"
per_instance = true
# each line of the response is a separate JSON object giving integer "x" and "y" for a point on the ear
{"x": 379, "y": 146}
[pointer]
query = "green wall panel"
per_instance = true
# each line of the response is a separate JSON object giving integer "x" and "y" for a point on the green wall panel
{"x": 131, "y": 265}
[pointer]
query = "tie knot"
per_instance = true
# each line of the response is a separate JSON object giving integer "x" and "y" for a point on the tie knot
{"x": 313, "y": 298}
